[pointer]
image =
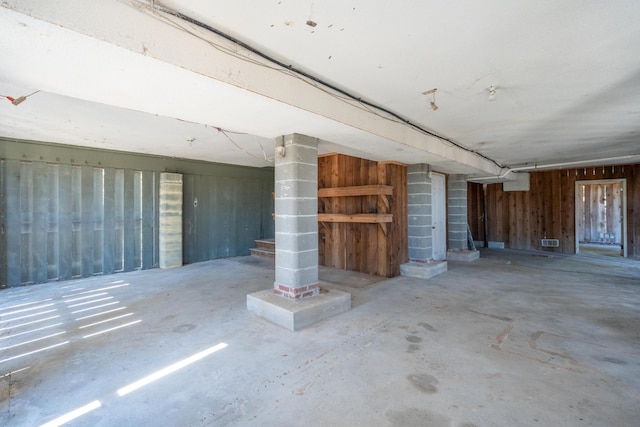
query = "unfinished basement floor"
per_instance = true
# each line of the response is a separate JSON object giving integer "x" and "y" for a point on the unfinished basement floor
{"x": 512, "y": 339}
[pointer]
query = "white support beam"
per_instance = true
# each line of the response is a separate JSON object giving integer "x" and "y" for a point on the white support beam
{"x": 160, "y": 64}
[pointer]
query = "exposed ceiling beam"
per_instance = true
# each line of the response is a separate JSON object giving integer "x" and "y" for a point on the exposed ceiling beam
{"x": 200, "y": 68}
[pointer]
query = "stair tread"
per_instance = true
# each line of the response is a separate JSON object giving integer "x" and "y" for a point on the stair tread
{"x": 264, "y": 249}
{"x": 266, "y": 243}
{"x": 263, "y": 252}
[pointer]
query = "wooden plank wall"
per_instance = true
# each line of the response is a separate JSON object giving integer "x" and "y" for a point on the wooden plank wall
{"x": 68, "y": 212}
{"x": 397, "y": 249}
{"x": 475, "y": 210}
{"x": 230, "y": 213}
{"x": 66, "y": 221}
{"x": 600, "y": 222}
{"x": 355, "y": 246}
{"x": 547, "y": 210}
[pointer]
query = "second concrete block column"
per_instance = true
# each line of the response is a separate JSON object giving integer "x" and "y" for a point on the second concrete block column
{"x": 457, "y": 212}
{"x": 296, "y": 206}
{"x": 419, "y": 211}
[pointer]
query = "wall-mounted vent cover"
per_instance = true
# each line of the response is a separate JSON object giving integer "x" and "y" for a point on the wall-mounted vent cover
{"x": 550, "y": 243}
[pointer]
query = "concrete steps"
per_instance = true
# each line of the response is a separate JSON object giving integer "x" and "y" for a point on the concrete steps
{"x": 265, "y": 248}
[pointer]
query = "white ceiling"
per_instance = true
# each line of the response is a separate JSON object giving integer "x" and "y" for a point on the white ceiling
{"x": 124, "y": 75}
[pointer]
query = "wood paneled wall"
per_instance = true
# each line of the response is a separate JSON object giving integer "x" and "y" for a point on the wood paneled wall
{"x": 475, "y": 210}
{"x": 599, "y": 213}
{"x": 521, "y": 219}
{"x": 222, "y": 216}
{"x": 68, "y": 212}
{"x": 360, "y": 246}
{"x": 64, "y": 221}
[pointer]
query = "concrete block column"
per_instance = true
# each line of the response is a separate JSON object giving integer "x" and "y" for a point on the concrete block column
{"x": 419, "y": 212}
{"x": 421, "y": 263}
{"x": 295, "y": 301}
{"x": 170, "y": 212}
{"x": 296, "y": 206}
{"x": 457, "y": 212}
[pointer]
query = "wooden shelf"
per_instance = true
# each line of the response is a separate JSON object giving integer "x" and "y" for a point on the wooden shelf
{"x": 359, "y": 218}
{"x": 360, "y": 190}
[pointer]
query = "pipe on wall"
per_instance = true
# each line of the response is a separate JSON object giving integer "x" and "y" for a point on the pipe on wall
{"x": 631, "y": 158}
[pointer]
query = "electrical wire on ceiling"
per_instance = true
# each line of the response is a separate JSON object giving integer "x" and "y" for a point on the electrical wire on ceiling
{"x": 19, "y": 100}
{"x": 226, "y": 134}
{"x": 296, "y": 72}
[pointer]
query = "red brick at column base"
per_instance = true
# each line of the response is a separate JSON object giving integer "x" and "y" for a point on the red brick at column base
{"x": 296, "y": 294}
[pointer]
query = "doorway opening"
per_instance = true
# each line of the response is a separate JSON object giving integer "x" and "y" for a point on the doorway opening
{"x": 600, "y": 217}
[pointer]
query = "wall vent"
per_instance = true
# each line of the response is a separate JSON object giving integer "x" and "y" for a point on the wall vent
{"x": 550, "y": 243}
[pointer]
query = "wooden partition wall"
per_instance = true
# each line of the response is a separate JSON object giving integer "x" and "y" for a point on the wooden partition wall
{"x": 68, "y": 212}
{"x": 521, "y": 219}
{"x": 599, "y": 213}
{"x": 362, "y": 214}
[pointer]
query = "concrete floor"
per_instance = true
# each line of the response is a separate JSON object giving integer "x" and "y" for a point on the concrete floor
{"x": 512, "y": 339}
{"x": 600, "y": 249}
